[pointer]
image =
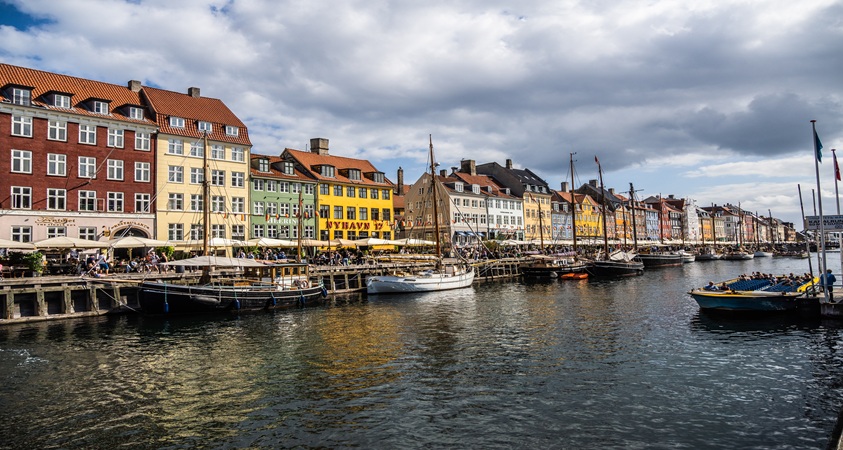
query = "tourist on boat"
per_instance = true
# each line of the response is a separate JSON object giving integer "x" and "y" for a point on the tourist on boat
{"x": 711, "y": 286}
{"x": 827, "y": 282}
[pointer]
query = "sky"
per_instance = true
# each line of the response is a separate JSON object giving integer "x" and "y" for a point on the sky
{"x": 709, "y": 99}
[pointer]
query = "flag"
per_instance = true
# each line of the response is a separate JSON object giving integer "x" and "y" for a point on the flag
{"x": 818, "y": 146}
{"x": 596, "y": 160}
{"x": 836, "y": 167}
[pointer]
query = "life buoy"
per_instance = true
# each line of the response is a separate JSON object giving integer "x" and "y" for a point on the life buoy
{"x": 305, "y": 284}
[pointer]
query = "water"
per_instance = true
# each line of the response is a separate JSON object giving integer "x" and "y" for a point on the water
{"x": 611, "y": 364}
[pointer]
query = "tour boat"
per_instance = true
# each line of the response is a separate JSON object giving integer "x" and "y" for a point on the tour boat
{"x": 751, "y": 296}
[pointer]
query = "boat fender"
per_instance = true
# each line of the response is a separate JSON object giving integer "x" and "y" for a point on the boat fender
{"x": 324, "y": 292}
{"x": 273, "y": 301}
{"x": 237, "y": 304}
{"x": 166, "y": 307}
{"x": 301, "y": 300}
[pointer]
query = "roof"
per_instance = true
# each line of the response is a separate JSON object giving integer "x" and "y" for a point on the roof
{"x": 483, "y": 181}
{"x": 311, "y": 161}
{"x": 166, "y": 104}
{"x": 79, "y": 89}
{"x": 399, "y": 199}
{"x": 274, "y": 171}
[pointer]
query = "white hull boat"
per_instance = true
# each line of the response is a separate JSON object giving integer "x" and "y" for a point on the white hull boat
{"x": 422, "y": 282}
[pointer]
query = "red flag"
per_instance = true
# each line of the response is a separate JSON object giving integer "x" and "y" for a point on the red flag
{"x": 836, "y": 167}
{"x": 596, "y": 160}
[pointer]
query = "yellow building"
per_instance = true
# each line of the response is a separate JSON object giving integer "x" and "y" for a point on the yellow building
{"x": 184, "y": 120}
{"x": 353, "y": 198}
{"x": 589, "y": 220}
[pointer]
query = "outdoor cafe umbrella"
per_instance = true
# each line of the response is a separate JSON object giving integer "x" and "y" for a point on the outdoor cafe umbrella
{"x": 15, "y": 245}
{"x": 135, "y": 242}
{"x": 270, "y": 242}
{"x": 62, "y": 242}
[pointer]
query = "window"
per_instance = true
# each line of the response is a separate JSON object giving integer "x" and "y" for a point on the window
{"x": 238, "y": 205}
{"x": 271, "y": 208}
{"x": 337, "y": 191}
{"x": 238, "y": 154}
{"x": 374, "y": 193}
{"x": 87, "y": 200}
{"x": 354, "y": 174}
{"x": 115, "y": 201}
{"x": 176, "y": 122}
{"x": 22, "y": 234}
{"x": 197, "y": 175}
{"x": 272, "y": 231}
{"x": 196, "y": 232}
{"x": 385, "y": 193}
{"x": 217, "y": 203}
{"x": 337, "y": 212}
{"x": 328, "y": 171}
{"x": 377, "y": 177}
{"x": 458, "y": 187}
{"x": 238, "y": 232}
{"x": 386, "y": 214}
{"x": 271, "y": 186}
{"x": 283, "y": 187}
{"x": 99, "y": 107}
{"x": 87, "y": 167}
{"x": 232, "y": 131}
{"x": 351, "y": 213}
{"x": 218, "y": 178}
{"x": 88, "y": 233}
{"x": 258, "y": 184}
{"x": 175, "y": 174}
{"x": 57, "y": 130}
{"x": 197, "y": 149}
{"x": 362, "y": 192}
{"x": 323, "y": 189}
{"x": 56, "y": 164}
{"x": 263, "y": 165}
{"x": 142, "y": 172}
{"x": 142, "y": 141}
{"x": 61, "y": 100}
{"x": 115, "y": 138}
{"x": 294, "y": 209}
{"x": 364, "y": 213}
{"x": 135, "y": 113}
{"x": 88, "y": 134}
{"x": 257, "y": 208}
{"x": 175, "y": 147}
{"x": 56, "y": 232}
{"x": 475, "y": 188}
{"x": 175, "y": 202}
{"x": 309, "y": 189}
{"x": 21, "y": 96}
{"x": 376, "y": 214}
{"x": 205, "y": 126}
{"x": 324, "y": 210}
{"x": 288, "y": 168}
{"x": 257, "y": 230}
{"x": 349, "y": 191}
{"x": 21, "y": 197}
{"x": 21, "y": 161}
{"x": 217, "y": 152}
{"x": 196, "y": 202}
{"x": 115, "y": 169}
{"x": 175, "y": 231}
{"x": 22, "y": 126}
{"x": 238, "y": 179}
{"x": 57, "y": 199}
{"x": 142, "y": 202}
{"x": 309, "y": 232}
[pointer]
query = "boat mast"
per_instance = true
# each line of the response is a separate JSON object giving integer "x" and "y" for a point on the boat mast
{"x": 299, "y": 224}
{"x": 634, "y": 226}
{"x": 573, "y": 206}
{"x": 435, "y": 199}
{"x": 603, "y": 205}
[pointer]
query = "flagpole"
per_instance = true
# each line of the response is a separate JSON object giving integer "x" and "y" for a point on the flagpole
{"x": 807, "y": 242}
{"x": 817, "y": 152}
{"x": 837, "y": 199}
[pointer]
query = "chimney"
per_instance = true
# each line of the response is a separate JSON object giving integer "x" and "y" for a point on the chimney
{"x": 670, "y": 196}
{"x": 592, "y": 183}
{"x": 193, "y": 92}
{"x": 468, "y": 166}
{"x": 443, "y": 173}
{"x": 319, "y": 146}
{"x": 612, "y": 191}
{"x": 400, "y": 181}
{"x": 509, "y": 164}
{"x": 565, "y": 186}
{"x": 454, "y": 170}
{"x": 134, "y": 85}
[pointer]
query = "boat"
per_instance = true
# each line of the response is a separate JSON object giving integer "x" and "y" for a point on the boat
{"x": 738, "y": 255}
{"x": 618, "y": 263}
{"x": 757, "y": 296}
{"x": 574, "y": 276}
{"x": 444, "y": 275}
{"x": 708, "y": 254}
{"x": 655, "y": 258}
{"x": 551, "y": 265}
{"x": 246, "y": 285}
{"x": 687, "y": 257}
{"x": 260, "y": 286}
{"x": 762, "y": 254}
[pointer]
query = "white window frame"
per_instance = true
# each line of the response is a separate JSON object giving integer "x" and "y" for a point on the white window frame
{"x": 56, "y": 199}
{"x": 114, "y": 169}
{"x": 21, "y": 126}
{"x": 205, "y": 126}
{"x": 238, "y": 179}
{"x": 87, "y": 167}
{"x": 142, "y": 202}
{"x": 87, "y": 134}
{"x": 87, "y": 201}
{"x": 176, "y": 122}
{"x": 99, "y": 107}
{"x": 143, "y": 141}
{"x": 114, "y": 200}
{"x": 21, "y": 161}
{"x": 21, "y": 197}
{"x": 175, "y": 147}
{"x": 196, "y": 149}
{"x": 238, "y": 205}
{"x": 56, "y": 130}
{"x": 143, "y": 172}
{"x": 56, "y": 164}
{"x": 238, "y": 154}
{"x": 175, "y": 201}
{"x": 115, "y": 138}
{"x": 21, "y": 96}
{"x": 217, "y": 152}
{"x": 175, "y": 231}
{"x": 217, "y": 177}
{"x": 231, "y": 130}
{"x": 61, "y": 101}
{"x": 175, "y": 174}
{"x": 136, "y": 113}
{"x": 197, "y": 175}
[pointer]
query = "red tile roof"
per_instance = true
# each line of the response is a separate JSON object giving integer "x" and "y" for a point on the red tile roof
{"x": 483, "y": 181}
{"x": 311, "y": 161}
{"x": 275, "y": 173}
{"x": 168, "y": 103}
{"x": 79, "y": 89}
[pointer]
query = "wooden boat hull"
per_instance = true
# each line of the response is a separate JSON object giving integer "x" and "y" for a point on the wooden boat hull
{"x": 746, "y": 301}
{"x": 740, "y": 256}
{"x": 661, "y": 259}
{"x": 550, "y": 270}
{"x": 167, "y": 298}
{"x": 612, "y": 269}
{"x": 708, "y": 257}
{"x": 394, "y": 284}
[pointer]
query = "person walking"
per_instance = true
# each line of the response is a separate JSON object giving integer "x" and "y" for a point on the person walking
{"x": 827, "y": 282}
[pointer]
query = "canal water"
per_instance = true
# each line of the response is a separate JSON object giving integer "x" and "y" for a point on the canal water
{"x": 627, "y": 363}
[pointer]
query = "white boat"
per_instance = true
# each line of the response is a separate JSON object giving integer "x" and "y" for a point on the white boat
{"x": 763, "y": 254}
{"x": 687, "y": 257}
{"x": 443, "y": 277}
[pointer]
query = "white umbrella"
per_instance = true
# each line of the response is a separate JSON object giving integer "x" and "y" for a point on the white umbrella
{"x": 15, "y": 245}
{"x": 216, "y": 261}
{"x": 270, "y": 242}
{"x": 373, "y": 241}
{"x": 135, "y": 241}
{"x": 419, "y": 242}
{"x": 213, "y": 242}
{"x": 69, "y": 242}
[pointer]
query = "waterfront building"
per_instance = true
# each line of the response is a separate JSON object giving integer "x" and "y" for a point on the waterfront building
{"x": 561, "y": 215}
{"x": 281, "y": 194}
{"x": 530, "y": 188}
{"x": 503, "y": 210}
{"x": 192, "y": 130}
{"x": 613, "y": 202}
{"x": 706, "y": 224}
{"x": 466, "y": 209}
{"x": 399, "y": 206}
{"x": 353, "y": 198}
{"x": 79, "y": 157}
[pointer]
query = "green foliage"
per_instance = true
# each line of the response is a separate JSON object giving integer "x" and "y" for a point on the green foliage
{"x": 166, "y": 251}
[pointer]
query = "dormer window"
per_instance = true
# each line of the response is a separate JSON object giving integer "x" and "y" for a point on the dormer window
{"x": 176, "y": 122}
{"x": 354, "y": 174}
{"x": 61, "y": 101}
{"x": 263, "y": 165}
{"x": 205, "y": 126}
{"x": 288, "y": 168}
{"x": 99, "y": 107}
{"x": 136, "y": 113}
{"x": 378, "y": 177}
{"x": 458, "y": 186}
{"x": 232, "y": 131}
{"x": 475, "y": 188}
{"x": 21, "y": 96}
{"x": 506, "y": 191}
{"x": 327, "y": 171}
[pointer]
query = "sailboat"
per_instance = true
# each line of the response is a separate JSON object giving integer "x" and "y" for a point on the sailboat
{"x": 618, "y": 263}
{"x": 259, "y": 286}
{"x": 442, "y": 277}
